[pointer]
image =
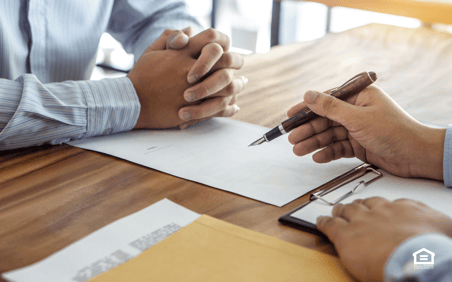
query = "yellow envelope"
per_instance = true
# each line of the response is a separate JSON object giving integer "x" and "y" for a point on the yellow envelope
{"x": 209, "y": 249}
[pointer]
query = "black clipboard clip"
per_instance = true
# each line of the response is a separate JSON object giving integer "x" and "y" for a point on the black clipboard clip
{"x": 330, "y": 186}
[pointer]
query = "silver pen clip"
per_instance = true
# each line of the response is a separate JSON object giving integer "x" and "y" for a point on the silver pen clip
{"x": 328, "y": 189}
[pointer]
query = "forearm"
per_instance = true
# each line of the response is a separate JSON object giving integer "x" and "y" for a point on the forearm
{"x": 401, "y": 267}
{"x": 33, "y": 113}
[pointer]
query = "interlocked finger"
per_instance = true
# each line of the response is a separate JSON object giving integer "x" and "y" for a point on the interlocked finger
{"x": 211, "y": 85}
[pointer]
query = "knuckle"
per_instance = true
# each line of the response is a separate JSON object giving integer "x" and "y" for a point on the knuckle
{"x": 224, "y": 103}
{"x": 402, "y": 200}
{"x": 211, "y": 34}
{"x": 216, "y": 49}
{"x": 229, "y": 113}
{"x": 230, "y": 89}
{"x": 241, "y": 61}
{"x": 321, "y": 223}
{"x": 333, "y": 135}
{"x": 337, "y": 210}
{"x": 233, "y": 99}
{"x": 204, "y": 90}
{"x": 317, "y": 142}
{"x": 297, "y": 151}
{"x": 168, "y": 32}
{"x": 226, "y": 75}
{"x": 358, "y": 201}
{"x": 228, "y": 41}
{"x": 227, "y": 60}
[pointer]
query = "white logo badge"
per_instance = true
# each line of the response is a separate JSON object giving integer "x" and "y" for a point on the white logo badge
{"x": 423, "y": 259}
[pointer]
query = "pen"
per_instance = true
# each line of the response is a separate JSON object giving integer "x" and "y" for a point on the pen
{"x": 354, "y": 85}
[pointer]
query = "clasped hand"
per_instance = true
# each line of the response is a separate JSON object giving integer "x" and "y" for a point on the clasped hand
{"x": 188, "y": 85}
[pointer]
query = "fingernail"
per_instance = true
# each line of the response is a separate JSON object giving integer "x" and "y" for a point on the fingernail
{"x": 183, "y": 126}
{"x": 236, "y": 109}
{"x": 186, "y": 115}
{"x": 189, "y": 96}
{"x": 193, "y": 78}
{"x": 245, "y": 80}
{"x": 310, "y": 96}
{"x": 173, "y": 39}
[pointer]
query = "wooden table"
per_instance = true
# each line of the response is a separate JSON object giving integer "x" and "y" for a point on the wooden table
{"x": 429, "y": 11}
{"x": 52, "y": 196}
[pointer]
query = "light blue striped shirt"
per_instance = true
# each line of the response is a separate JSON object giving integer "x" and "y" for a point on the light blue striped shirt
{"x": 400, "y": 266}
{"x": 47, "y": 53}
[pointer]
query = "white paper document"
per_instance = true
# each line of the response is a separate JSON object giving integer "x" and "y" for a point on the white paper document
{"x": 216, "y": 153}
{"x": 109, "y": 246}
{"x": 430, "y": 192}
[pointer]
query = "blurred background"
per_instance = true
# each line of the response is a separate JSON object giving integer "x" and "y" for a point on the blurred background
{"x": 249, "y": 25}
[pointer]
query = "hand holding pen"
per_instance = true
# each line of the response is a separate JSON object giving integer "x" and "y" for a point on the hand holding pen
{"x": 373, "y": 128}
{"x": 353, "y": 86}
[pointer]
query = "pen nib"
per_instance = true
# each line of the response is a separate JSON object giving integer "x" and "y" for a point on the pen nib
{"x": 258, "y": 142}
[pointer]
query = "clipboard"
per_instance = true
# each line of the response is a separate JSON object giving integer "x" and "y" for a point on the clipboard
{"x": 318, "y": 193}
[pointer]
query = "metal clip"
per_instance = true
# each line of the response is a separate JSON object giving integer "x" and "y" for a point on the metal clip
{"x": 318, "y": 195}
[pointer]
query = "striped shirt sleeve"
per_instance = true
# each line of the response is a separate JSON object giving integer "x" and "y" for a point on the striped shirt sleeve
{"x": 32, "y": 113}
{"x": 401, "y": 264}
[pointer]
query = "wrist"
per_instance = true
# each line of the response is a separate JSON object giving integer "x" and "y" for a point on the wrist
{"x": 430, "y": 154}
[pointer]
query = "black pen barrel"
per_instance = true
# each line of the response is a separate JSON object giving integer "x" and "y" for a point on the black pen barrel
{"x": 273, "y": 134}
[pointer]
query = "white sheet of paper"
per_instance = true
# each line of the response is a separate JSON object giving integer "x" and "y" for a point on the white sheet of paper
{"x": 216, "y": 153}
{"x": 109, "y": 246}
{"x": 430, "y": 192}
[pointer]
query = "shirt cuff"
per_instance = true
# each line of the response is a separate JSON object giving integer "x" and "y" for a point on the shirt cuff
{"x": 447, "y": 158}
{"x": 113, "y": 106}
{"x": 401, "y": 264}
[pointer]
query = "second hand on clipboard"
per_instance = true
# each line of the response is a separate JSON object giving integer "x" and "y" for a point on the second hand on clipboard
{"x": 352, "y": 86}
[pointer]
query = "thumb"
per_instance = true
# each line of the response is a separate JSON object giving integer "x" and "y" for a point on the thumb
{"x": 171, "y": 39}
{"x": 177, "y": 40}
{"x": 188, "y": 31}
{"x": 329, "y": 106}
{"x": 160, "y": 43}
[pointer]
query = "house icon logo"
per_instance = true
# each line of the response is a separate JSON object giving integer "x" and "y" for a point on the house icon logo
{"x": 424, "y": 257}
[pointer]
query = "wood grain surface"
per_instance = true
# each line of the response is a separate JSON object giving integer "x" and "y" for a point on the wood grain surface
{"x": 430, "y": 11}
{"x": 52, "y": 196}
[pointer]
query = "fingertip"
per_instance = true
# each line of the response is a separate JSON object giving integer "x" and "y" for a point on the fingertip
{"x": 189, "y": 96}
{"x": 336, "y": 209}
{"x": 320, "y": 157}
{"x": 192, "y": 78}
{"x": 183, "y": 126}
{"x": 245, "y": 80}
{"x": 291, "y": 140}
{"x": 184, "y": 115}
{"x": 178, "y": 41}
{"x": 319, "y": 220}
{"x": 188, "y": 31}
{"x": 322, "y": 222}
{"x": 310, "y": 96}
